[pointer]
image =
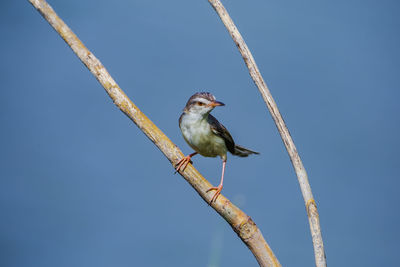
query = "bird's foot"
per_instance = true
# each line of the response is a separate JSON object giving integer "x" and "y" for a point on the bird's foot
{"x": 181, "y": 165}
{"x": 216, "y": 194}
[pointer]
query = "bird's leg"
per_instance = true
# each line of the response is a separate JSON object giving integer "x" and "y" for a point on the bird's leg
{"x": 218, "y": 188}
{"x": 181, "y": 165}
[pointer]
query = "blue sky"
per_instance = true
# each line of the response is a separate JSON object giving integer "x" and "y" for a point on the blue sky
{"x": 80, "y": 185}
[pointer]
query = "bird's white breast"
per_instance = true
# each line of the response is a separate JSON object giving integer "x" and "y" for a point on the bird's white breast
{"x": 198, "y": 134}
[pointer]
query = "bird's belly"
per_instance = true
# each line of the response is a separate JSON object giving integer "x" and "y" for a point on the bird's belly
{"x": 204, "y": 141}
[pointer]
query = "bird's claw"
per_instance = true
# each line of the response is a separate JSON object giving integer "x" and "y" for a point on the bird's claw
{"x": 182, "y": 163}
{"x": 216, "y": 194}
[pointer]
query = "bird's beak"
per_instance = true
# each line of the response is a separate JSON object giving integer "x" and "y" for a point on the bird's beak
{"x": 216, "y": 103}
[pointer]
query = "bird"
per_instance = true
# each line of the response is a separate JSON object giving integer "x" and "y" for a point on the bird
{"x": 206, "y": 135}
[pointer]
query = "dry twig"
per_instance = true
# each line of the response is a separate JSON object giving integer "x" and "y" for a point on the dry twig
{"x": 255, "y": 74}
{"x": 242, "y": 224}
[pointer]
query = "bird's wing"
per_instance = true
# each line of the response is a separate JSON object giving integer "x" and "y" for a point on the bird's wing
{"x": 221, "y": 131}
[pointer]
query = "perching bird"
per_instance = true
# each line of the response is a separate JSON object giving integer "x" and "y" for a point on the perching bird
{"x": 206, "y": 135}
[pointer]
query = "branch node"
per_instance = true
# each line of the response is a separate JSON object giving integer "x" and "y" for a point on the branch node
{"x": 246, "y": 229}
{"x": 310, "y": 202}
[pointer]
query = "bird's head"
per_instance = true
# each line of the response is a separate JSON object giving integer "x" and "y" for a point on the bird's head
{"x": 201, "y": 103}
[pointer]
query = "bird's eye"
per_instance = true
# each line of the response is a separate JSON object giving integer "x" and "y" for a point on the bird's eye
{"x": 200, "y": 103}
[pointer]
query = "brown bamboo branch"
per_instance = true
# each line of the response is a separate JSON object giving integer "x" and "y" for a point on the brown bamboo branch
{"x": 242, "y": 224}
{"x": 255, "y": 74}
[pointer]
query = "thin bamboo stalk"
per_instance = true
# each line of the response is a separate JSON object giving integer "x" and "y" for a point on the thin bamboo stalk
{"x": 311, "y": 207}
{"x": 242, "y": 224}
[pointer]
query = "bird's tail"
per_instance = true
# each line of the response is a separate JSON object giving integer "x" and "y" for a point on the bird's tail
{"x": 243, "y": 152}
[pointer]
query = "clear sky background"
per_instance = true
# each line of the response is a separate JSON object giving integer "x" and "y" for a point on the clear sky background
{"x": 81, "y": 185}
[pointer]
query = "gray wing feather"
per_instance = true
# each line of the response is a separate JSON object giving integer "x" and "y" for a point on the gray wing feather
{"x": 221, "y": 131}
